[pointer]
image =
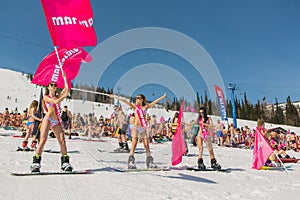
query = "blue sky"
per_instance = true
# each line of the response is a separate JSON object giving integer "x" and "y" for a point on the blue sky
{"x": 255, "y": 44}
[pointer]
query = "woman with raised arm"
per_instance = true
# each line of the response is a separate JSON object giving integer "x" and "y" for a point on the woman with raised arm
{"x": 52, "y": 120}
{"x": 205, "y": 123}
{"x": 139, "y": 127}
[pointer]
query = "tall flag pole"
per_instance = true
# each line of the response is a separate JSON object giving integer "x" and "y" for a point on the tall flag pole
{"x": 37, "y": 124}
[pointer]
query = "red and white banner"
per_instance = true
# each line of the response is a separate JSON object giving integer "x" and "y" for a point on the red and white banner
{"x": 261, "y": 151}
{"x": 70, "y": 22}
{"x": 222, "y": 103}
{"x": 49, "y": 70}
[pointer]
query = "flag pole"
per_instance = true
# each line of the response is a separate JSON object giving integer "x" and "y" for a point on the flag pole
{"x": 81, "y": 90}
{"x": 281, "y": 163}
{"x": 60, "y": 66}
{"x": 59, "y": 62}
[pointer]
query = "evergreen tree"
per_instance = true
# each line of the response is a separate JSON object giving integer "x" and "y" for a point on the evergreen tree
{"x": 229, "y": 108}
{"x": 198, "y": 99}
{"x": 291, "y": 113}
{"x": 279, "y": 116}
{"x": 205, "y": 100}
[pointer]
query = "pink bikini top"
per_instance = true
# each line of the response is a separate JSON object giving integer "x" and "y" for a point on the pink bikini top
{"x": 56, "y": 108}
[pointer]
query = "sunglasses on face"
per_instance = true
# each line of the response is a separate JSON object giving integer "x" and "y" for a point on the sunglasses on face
{"x": 138, "y": 98}
{"x": 53, "y": 85}
{"x": 201, "y": 112}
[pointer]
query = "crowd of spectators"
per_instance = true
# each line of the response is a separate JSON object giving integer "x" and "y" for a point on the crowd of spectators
{"x": 12, "y": 120}
{"x": 160, "y": 130}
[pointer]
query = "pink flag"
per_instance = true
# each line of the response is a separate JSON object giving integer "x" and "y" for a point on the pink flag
{"x": 261, "y": 151}
{"x": 178, "y": 144}
{"x": 49, "y": 70}
{"x": 70, "y": 22}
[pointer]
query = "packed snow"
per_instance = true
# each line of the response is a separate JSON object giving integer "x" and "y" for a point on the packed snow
{"x": 103, "y": 183}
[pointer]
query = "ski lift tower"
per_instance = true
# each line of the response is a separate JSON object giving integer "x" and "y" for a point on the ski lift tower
{"x": 118, "y": 93}
{"x": 233, "y": 87}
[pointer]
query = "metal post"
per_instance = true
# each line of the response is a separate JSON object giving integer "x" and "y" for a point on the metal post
{"x": 233, "y": 87}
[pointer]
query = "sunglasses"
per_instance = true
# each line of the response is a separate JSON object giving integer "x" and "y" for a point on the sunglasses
{"x": 53, "y": 84}
{"x": 201, "y": 112}
{"x": 138, "y": 98}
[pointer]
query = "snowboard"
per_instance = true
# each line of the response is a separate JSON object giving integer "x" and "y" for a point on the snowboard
{"x": 58, "y": 151}
{"x": 85, "y": 171}
{"x": 120, "y": 151}
{"x": 124, "y": 151}
{"x": 21, "y": 149}
{"x": 140, "y": 170}
{"x": 207, "y": 170}
{"x": 275, "y": 168}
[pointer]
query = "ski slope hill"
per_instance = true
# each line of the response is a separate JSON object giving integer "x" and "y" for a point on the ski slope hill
{"x": 21, "y": 92}
{"x": 16, "y": 90}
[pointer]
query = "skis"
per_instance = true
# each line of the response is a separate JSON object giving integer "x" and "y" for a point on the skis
{"x": 208, "y": 170}
{"x": 86, "y": 171}
{"x": 140, "y": 170}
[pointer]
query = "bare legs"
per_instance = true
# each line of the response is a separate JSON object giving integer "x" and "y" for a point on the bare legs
{"x": 208, "y": 145}
{"x": 59, "y": 134}
{"x": 131, "y": 159}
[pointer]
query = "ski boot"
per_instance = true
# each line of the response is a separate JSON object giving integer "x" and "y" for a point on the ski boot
{"x": 149, "y": 162}
{"x": 131, "y": 164}
{"x": 24, "y": 146}
{"x": 125, "y": 148}
{"x": 215, "y": 165}
{"x": 201, "y": 165}
{"x": 33, "y": 145}
{"x": 36, "y": 164}
{"x": 287, "y": 156}
{"x": 65, "y": 165}
{"x": 121, "y": 146}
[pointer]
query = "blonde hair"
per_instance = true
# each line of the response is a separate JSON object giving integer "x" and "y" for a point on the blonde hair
{"x": 260, "y": 123}
{"x": 34, "y": 104}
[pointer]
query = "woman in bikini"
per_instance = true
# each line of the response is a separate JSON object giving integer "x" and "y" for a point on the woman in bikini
{"x": 31, "y": 118}
{"x": 139, "y": 128}
{"x": 205, "y": 124}
{"x": 52, "y": 120}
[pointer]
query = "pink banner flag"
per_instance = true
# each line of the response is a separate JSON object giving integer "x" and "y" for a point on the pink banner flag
{"x": 261, "y": 151}
{"x": 178, "y": 144}
{"x": 49, "y": 70}
{"x": 70, "y": 22}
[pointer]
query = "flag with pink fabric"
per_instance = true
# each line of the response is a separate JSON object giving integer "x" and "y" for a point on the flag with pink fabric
{"x": 178, "y": 144}
{"x": 261, "y": 151}
{"x": 50, "y": 71}
{"x": 70, "y": 22}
